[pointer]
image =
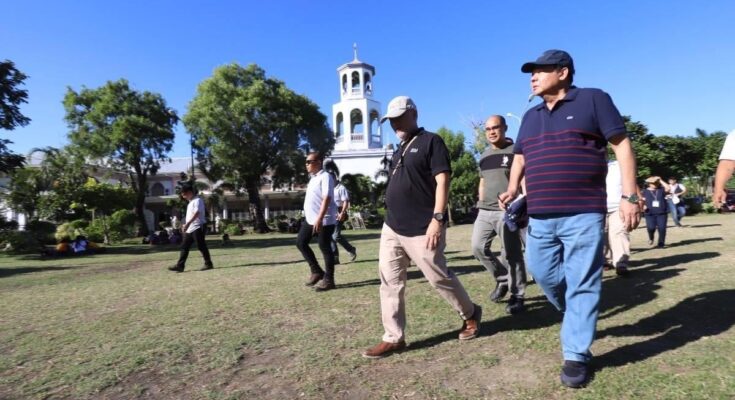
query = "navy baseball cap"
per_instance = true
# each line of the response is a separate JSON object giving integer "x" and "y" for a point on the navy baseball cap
{"x": 559, "y": 58}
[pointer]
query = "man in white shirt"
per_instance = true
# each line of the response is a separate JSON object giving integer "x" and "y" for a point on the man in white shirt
{"x": 193, "y": 228}
{"x": 320, "y": 213}
{"x": 342, "y": 200}
{"x": 674, "y": 201}
{"x": 724, "y": 170}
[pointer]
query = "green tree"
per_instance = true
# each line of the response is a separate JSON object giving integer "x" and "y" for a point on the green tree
{"x": 103, "y": 199}
{"x": 11, "y": 97}
{"x": 465, "y": 179}
{"x": 49, "y": 190}
{"x": 245, "y": 124}
{"x": 131, "y": 130}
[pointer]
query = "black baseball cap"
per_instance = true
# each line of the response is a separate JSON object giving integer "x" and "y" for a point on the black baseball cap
{"x": 559, "y": 58}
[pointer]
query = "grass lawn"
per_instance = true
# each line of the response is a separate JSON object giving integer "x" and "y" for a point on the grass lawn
{"x": 119, "y": 326}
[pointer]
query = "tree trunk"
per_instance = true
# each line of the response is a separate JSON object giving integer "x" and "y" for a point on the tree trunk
{"x": 449, "y": 211}
{"x": 139, "y": 187}
{"x": 254, "y": 197}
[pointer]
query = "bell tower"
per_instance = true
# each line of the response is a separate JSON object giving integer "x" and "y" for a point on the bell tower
{"x": 356, "y": 118}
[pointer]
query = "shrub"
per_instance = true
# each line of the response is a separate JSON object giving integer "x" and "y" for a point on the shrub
{"x": 230, "y": 227}
{"x": 21, "y": 242}
{"x": 123, "y": 223}
{"x": 42, "y": 231}
{"x": 95, "y": 231}
{"x": 709, "y": 208}
{"x": 71, "y": 229}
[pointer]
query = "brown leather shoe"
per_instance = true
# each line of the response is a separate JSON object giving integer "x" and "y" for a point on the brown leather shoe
{"x": 314, "y": 278}
{"x": 471, "y": 327}
{"x": 384, "y": 349}
{"x": 324, "y": 285}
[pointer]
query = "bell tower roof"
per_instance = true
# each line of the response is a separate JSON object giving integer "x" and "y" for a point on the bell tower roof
{"x": 356, "y": 63}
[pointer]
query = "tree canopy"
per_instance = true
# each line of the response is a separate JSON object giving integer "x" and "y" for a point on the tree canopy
{"x": 129, "y": 130}
{"x": 11, "y": 97}
{"x": 465, "y": 179}
{"x": 245, "y": 125}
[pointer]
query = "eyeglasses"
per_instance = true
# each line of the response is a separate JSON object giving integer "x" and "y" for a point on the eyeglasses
{"x": 309, "y": 162}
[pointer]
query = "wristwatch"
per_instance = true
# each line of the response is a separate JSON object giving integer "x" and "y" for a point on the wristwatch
{"x": 439, "y": 217}
{"x": 633, "y": 198}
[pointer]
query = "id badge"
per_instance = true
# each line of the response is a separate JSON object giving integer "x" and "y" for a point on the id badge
{"x": 655, "y": 204}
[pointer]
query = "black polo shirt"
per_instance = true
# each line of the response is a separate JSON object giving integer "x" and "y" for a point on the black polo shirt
{"x": 411, "y": 190}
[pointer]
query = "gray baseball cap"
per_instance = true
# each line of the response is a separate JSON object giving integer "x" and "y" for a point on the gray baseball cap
{"x": 397, "y": 107}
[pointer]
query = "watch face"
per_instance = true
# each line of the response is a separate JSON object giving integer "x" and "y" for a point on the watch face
{"x": 633, "y": 198}
{"x": 439, "y": 217}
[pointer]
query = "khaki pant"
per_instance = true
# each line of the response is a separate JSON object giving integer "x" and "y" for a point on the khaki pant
{"x": 617, "y": 240}
{"x": 396, "y": 253}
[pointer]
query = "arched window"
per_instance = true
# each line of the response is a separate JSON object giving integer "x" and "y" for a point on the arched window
{"x": 356, "y": 125}
{"x": 355, "y": 82}
{"x": 339, "y": 129}
{"x": 157, "y": 189}
{"x": 368, "y": 83}
{"x": 374, "y": 126}
{"x": 344, "y": 83}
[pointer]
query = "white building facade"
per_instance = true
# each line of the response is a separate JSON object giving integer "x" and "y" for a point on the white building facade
{"x": 359, "y": 147}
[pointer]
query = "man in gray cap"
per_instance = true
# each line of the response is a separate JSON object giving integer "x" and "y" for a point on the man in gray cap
{"x": 561, "y": 151}
{"x": 415, "y": 228}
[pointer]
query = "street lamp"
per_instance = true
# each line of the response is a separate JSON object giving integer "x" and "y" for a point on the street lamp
{"x": 513, "y": 116}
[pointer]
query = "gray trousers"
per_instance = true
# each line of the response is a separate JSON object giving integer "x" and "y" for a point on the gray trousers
{"x": 508, "y": 269}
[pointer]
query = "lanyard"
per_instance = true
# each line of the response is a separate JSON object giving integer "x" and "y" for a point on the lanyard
{"x": 400, "y": 161}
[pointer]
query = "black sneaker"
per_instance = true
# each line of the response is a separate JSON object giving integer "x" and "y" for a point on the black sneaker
{"x": 574, "y": 374}
{"x": 176, "y": 268}
{"x": 498, "y": 293}
{"x": 515, "y": 305}
{"x": 353, "y": 256}
{"x": 206, "y": 268}
{"x": 622, "y": 270}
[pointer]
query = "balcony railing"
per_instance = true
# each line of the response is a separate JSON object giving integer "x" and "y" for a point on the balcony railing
{"x": 358, "y": 138}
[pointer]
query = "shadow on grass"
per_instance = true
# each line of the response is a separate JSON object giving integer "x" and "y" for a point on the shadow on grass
{"x": 412, "y": 273}
{"x": 698, "y": 316}
{"x": 680, "y": 243}
{"x": 6, "y": 272}
{"x": 703, "y": 226}
{"x": 619, "y": 295}
{"x": 258, "y": 264}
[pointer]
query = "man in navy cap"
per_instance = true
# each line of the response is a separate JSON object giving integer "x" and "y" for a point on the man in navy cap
{"x": 561, "y": 151}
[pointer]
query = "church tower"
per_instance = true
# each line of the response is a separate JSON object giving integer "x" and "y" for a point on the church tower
{"x": 356, "y": 118}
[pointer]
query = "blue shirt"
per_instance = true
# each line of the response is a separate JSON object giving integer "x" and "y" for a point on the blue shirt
{"x": 565, "y": 152}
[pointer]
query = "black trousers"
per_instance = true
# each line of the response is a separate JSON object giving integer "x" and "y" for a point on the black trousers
{"x": 656, "y": 222}
{"x": 189, "y": 238}
{"x": 306, "y": 233}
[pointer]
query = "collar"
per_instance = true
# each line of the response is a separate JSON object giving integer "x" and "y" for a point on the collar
{"x": 413, "y": 134}
{"x": 317, "y": 173}
{"x": 570, "y": 96}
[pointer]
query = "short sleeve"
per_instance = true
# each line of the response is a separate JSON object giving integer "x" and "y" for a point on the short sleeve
{"x": 609, "y": 120}
{"x": 327, "y": 186}
{"x": 439, "y": 156}
{"x": 728, "y": 150}
{"x": 522, "y": 134}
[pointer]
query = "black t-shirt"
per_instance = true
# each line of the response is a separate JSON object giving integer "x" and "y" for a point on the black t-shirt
{"x": 409, "y": 197}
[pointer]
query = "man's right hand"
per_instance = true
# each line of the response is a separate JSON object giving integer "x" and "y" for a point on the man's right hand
{"x": 719, "y": 197}
{"x": 505, "y": 198}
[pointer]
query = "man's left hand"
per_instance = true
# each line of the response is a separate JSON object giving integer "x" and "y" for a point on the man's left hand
{"x": 630, "y": 215}
{"x": 432, "y": 234}
{"x": 317, "y": 226}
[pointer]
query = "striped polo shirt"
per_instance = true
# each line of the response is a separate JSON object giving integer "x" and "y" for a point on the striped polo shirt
{"x": 565, "y": 152}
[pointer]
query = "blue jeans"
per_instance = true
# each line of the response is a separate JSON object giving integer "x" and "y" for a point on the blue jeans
{"x": 674, "y": 210}
{"x": 564, "y": 254}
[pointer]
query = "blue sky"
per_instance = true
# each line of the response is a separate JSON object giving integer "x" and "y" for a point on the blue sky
{"x": 668, "y": 64}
